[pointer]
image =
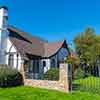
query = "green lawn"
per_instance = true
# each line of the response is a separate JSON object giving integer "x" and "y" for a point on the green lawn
{"x": 29, "y": 93}
{"x": 90, "y": 84}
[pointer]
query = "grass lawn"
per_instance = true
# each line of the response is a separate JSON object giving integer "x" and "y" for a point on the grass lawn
{"x": 90, "y": 84}
{"x": 29, "y": 93}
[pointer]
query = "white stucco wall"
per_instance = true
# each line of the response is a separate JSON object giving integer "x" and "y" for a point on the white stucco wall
{"x": 11, "y": 48}
{"x": 5, "y": 43}
{"x": 47, "y": 67}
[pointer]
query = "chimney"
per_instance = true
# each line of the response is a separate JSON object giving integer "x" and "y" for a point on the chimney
{"x": 3, "y": 33}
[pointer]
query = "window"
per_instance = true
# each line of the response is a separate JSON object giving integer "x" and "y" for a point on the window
{"x": 36, "y": 66}
{"x": 44, "y": 63}
{"x": 30, "y": 65}
{"x": 53, "y": 63}
{"x": 11, "y": 60}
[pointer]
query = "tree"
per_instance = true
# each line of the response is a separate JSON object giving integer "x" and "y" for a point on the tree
{"x": 87, "y": 46}
{"x": 74, "y": 61}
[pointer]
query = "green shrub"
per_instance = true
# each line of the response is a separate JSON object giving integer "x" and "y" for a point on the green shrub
{"x": 52, "y": 74}
{"x": 79, "y": 73}
{"x": 9, "y": 76}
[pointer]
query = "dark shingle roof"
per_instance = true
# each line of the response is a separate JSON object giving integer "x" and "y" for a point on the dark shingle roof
{"x": 32, "y": 45}
{"x": 52, "y": 48}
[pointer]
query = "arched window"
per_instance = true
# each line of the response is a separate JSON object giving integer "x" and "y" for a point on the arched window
{"x": 11, "y": 60}
{"x": 44, "y": 63}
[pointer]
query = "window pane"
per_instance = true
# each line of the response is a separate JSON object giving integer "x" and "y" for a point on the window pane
{"x": 37, "y": 66}
{"x": 11, "y": 60}
{"x": 44, "y": 63}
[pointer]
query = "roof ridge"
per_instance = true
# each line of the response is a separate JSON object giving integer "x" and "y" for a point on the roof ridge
{"x": 56, "y": 41}
{"x": 27, "y": 33}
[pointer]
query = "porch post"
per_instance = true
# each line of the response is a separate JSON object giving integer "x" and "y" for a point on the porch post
{"x": 65, "y": 77}
{"x": 23, "y": 70}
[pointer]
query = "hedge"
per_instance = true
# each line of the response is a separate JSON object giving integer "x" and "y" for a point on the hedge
{"x": 52, "y": 74}
{"x": 9, "y": 76}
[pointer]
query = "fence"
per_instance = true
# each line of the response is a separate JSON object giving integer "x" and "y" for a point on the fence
{"x": 87, "y": 80}
{"x": 63, "y": 84}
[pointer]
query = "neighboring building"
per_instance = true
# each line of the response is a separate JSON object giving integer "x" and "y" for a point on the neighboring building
{"x": 18, "y": 48}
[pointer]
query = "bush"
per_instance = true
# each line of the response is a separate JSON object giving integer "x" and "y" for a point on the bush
{"x": 9, "y": 76}
{"x": 79, "y": 73}
{"x": 52, "y": 74}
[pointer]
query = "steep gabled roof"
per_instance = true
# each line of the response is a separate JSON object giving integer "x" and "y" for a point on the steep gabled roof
{"x": 32, "y": 45}
{"x": 52, "y": 48}
{"x": 23, "y": 41}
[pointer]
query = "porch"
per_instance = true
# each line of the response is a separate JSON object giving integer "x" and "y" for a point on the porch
{"x": 33, "y": 69}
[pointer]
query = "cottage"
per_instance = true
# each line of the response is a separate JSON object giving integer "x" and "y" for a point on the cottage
{"x": 18, "y": 48}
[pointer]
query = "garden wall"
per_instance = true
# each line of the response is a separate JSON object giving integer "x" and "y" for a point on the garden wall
{"x": 61, "y": 85}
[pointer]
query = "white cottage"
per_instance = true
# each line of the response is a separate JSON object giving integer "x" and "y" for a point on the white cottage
{"x": 18, "y": 48}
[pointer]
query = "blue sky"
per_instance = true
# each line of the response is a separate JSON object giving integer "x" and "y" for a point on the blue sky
{"x": 54, "y": 19}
